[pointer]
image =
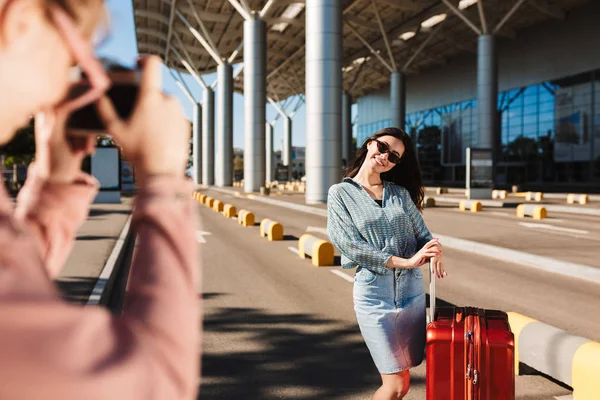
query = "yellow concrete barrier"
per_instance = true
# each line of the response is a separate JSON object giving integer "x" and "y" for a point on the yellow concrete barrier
{"x": 441, "y": 190}
{"x": 472, "y": 205}
{"x": 534, "y": 196}
{"x": 270, "y": 229}
{"x": 246, "y": 218}
{"x": 209, "y": 202}
{"x": 572, "y": 360}
{"x": 429, "y": 202}
{"x": 202, "y": 198}
{"x": 229, "y": 211}
{"x": 586, "y": 372}
{"x": 517, "y": 322}
{"x": 531, "y": 210}
{"x": 218, "y": 206}
{"x": 573, "y": 198}
{"x": 321, "y": 251}
{"x": 499, "y": 194}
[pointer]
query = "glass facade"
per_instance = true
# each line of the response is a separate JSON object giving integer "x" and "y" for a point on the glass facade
{"x": 549, "y": 134}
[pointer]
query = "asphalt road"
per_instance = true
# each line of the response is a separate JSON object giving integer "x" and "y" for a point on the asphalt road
{"x": 277, "y": 327}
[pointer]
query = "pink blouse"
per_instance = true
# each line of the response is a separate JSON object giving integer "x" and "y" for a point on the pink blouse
{"x": 51, "y": 349}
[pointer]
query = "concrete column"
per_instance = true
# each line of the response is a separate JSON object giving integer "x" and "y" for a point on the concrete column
{"x": 197, "y": 144}
{"x": 487, "y": 91}
{"x": 347, "y": 152}
{"x": 269, "y": 152}
{"x": 286, "y": 151}
{"x": 208, "y": 138}
{"x": 398, "y": 99}
{"x": 255, "y": 97}
{"x": 323, "y": 97}
{"x": 487, "y": 106}
{"x": 224, "y": 145}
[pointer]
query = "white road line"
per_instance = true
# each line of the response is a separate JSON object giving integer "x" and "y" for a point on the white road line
{"x": 342, "y": 275}
{"x": 109, "y": 266}
{"x": 501, "y": 214}
{"x": 566, "y": 397}
{"x": 552, "y": 227}
{"x": 294, "y": 250}
{"x": 548, "y": 264}
{"x": 316, "y": 229}
{"x": 200, "y": 236}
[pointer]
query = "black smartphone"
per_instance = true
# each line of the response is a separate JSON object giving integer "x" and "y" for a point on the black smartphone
{"x": 123, "y": 93}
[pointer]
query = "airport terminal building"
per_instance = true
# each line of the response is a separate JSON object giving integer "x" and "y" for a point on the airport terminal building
{"x": 548, "y": 107}
{"x": 517, "y": 79}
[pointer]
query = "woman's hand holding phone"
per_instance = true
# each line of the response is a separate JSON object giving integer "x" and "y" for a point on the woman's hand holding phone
{"x": 156, "y": 137}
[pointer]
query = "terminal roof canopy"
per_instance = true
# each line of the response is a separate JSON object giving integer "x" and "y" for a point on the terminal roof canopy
{"x": 421, "y": 35}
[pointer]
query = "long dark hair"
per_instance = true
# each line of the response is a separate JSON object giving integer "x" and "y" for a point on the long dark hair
{"x": 406, "y": 173}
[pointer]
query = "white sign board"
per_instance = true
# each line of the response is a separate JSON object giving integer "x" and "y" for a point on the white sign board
{"x": 105, "y": 168}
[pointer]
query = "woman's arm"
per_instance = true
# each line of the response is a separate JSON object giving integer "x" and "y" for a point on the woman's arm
{"x": 55, "y": 350}
{"x": 54, "y": 212}
{"x": 347, "y": 239}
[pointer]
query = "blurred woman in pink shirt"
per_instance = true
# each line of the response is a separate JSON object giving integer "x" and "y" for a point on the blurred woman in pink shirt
{"x": 51, "y": 349}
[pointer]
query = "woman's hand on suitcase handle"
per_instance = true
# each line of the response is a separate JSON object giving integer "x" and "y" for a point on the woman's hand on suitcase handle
{"x": 432, "y": 249}
{"x": 437, "y": 264}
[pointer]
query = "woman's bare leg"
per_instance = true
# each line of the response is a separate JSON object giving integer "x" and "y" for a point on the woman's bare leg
{"x": 394, "y": 386}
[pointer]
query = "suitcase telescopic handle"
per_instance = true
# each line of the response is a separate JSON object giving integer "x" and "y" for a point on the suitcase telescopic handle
{"x": 431, "y": 292}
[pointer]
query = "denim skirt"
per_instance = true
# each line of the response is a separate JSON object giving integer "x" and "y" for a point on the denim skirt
{"x": 390, "y": 310}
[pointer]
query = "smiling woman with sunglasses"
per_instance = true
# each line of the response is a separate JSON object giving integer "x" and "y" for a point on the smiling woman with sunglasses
{"x": 374, "y": 221}
{"x": 52, "y": 349}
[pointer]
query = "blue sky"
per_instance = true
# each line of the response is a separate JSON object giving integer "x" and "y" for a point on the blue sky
{"x": 121, "y": 45}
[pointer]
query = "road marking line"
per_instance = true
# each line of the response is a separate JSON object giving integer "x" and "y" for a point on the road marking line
{"x": 200, "y": 236}
{"x": 109, "y": 266}
{"x": 294, "y": 250}
{"x": 566, "y": 397}
{"x": 552, "y": 227}
{"x": 316, "y": 229}
{"x": 342, "y": 275}
{"x": 498, "y": 213}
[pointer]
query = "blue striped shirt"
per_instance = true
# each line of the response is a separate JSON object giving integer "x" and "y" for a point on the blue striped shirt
{"x": 367, "y": 234}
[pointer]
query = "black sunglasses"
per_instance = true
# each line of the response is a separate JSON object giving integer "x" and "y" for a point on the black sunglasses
{"x": 383, "y": 147}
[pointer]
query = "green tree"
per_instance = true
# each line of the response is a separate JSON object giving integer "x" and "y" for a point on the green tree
{"x": 238, "y": 164}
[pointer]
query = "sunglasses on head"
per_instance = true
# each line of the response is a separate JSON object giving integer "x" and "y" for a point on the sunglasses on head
{"x": 84, "y": 57}
{"x": 383, "y": 147}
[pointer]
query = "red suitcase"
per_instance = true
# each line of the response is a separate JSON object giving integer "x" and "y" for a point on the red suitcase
{"x": 470, "y": 353}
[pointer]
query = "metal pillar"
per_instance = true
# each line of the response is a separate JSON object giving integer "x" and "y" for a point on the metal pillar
{"x": 323, "y": 97}
{"x": 487, "y": 105}
{"x": 255, "y": 97}
{"x": 286, "y": 151}
{"x": 197, "y": 144}
{"x": 347, "y": 148}
{"x": 487, "y": 91}
{"x": 398, "y": 99}
{"x": 208, "y": 138}
{"x": 224, "y": 145}
{"x": 269, "y": 152}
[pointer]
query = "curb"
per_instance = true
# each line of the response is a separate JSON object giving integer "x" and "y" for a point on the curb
{"x": 565, "y": 268}
{"x": 570, "y": 359}
{"x": 105, "y": 283}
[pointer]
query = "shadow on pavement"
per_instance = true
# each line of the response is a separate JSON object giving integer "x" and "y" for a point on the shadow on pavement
{"x": 91, "y": 237}
{"x": 96, "y": 212}
{"x": 290, "y": 238}
{"x": 294, "y": 356}
{"x": 76, "y": 290}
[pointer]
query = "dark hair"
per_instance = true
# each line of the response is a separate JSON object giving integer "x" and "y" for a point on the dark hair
{"x": 406, "y": 173}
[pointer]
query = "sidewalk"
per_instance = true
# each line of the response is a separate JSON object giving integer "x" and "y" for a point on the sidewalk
{"x": 95, "y": 242}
